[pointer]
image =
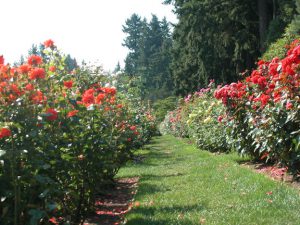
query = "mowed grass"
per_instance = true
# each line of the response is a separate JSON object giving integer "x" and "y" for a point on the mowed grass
{"x": 180, "y": 184}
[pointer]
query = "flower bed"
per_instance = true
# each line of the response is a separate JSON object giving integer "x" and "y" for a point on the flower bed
{"x": 63, "y": 136}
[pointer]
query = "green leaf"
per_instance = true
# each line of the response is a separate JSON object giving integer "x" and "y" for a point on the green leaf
{"x": 66, "y": 157}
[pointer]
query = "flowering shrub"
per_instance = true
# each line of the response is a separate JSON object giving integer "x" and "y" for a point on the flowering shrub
{"x": 63, "y": 136}
{"x": 263, "y": 110}
{"x": 261, "y": 115}
{"x": 174, "y": 123}
{"x": 198, "y": 118}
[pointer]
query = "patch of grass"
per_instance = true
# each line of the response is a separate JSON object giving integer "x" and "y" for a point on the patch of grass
{"x": 180, "y": 184}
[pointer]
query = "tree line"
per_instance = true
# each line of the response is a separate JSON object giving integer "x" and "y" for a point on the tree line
{"x": 213, "y": 39}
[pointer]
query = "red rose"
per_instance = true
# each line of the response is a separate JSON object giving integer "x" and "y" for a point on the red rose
{"x": 68, "y": 84}
{"x": 52, "y": 68}
{"x": 49, "y": 43}
{"x": 25, "y": 68}
{"x": 34, "y": 60}
{"x": 72, "y": 113}
{"x": 37, "y": 73}
{"x": 1, "y": 59}
{"x": 53, "y": 114}
{"x": 288, "y": 106}
{"x": 132, "y": 128}
{"x": 29, "y": 87}
{"x": 4, "y": 132}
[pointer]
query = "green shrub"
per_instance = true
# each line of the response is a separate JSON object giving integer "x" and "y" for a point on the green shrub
{"x": 279, "y": 47}
{"x": 198, "y": 117}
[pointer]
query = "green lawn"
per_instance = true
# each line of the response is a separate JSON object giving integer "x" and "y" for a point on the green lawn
{"x": 179, "y": 184}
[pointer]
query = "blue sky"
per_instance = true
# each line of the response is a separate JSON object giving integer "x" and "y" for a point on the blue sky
{"x": 87, "y": 29}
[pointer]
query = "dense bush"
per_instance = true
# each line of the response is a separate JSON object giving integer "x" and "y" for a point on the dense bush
{"x": 263, "y": 110}
{"x": 279, "y": 47}
{"x": 63, "y": 136}
{"x": 162, "y": 106}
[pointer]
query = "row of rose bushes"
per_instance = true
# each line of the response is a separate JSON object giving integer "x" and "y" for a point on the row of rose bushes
{"x": 63, "y": 137}
{"x": 258, "y": 116}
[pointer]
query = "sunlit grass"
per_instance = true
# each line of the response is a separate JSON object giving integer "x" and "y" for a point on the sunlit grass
{"x": 180, "y": 184}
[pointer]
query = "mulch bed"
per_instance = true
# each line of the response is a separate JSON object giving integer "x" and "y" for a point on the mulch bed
{"x": 274, "y": 172}
{"x": 111, "y": 208}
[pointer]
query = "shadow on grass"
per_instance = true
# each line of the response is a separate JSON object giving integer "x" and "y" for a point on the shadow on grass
{"x": 158, "y": 177}
{"x": 148, "y": 189}
{"x": 145, "y": 215}
{"x": 153, "y": 153}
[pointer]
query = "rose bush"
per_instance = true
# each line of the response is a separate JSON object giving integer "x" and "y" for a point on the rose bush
{"x": 198, "y": 117}
{"x": 263, "y": 110}
{"x": 63, "y": 137}
{"x": 259, "y": 117}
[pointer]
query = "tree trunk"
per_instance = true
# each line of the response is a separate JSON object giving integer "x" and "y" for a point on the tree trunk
{"x": 263, "y": 14}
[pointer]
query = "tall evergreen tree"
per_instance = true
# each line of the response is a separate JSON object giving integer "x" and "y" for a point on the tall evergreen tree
{"x": 133, "y": 28}
{"x": 149, "y": 55}
{"x": 214, "y": 39}
{"x": 71, "y": 63}
{"x": 117, "y": 68}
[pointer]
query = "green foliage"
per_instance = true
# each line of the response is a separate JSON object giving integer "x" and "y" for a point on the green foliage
{"x": 295, "y": 25}
{"x": 279, "y": 47}
{"x": 262, "y": 111}
{"x": 162, "y": 106}
{"x": 212, "y": 40}
{"x": 198, "y": 117}
{"x": 204, "y": 126}
{"x": 63, "y": 137}
{"x": 70, "y": 63}
{"x": 283, "y": 13}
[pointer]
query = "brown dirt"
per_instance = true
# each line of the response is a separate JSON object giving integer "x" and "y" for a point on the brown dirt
{"x": 111, "y": 208}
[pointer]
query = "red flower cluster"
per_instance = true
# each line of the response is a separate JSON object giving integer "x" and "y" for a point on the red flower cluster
{"x": 98, "y": 95}
{"x": 35, "y": 60}
{"x": 24, "y": 69}
{"x": 108, "y": 90}
{"x": 52, "y": 68}
{"x": 53, "y": 114}
{"x": 68, "y": 84}
{"x": 269, "y": 82}
{"x": 37, "y": 73}
{"x": 49, "y": 44}
{"x": 1, "y": 60}
{"x": 72, "y": 113}
{"x": 4, "y": 132}
{"x": 233, "y": 91}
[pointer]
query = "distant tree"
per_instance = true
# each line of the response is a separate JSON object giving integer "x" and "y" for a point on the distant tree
{"x": 149, "y": 55}
{"x": 33, "y": 50}
{"x": 117, "y": 68}
{"x": 214, "y": 39}
{"x": 133, "y": 28}
{"x": 70, "y": 63}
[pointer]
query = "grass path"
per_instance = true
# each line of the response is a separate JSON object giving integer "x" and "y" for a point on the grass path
{"x": 179, "y": 184}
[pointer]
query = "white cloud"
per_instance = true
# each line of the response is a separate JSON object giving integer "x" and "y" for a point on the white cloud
{"x": 87, "y": 29}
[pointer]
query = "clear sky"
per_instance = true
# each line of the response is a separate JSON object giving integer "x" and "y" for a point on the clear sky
{"x": 86, "y": 29}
